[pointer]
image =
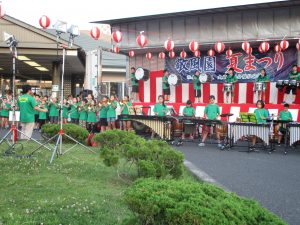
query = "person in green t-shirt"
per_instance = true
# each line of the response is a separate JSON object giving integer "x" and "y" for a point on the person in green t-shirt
{"x": 53, "y": 110}
{"x": 134, "y": 85}
{"x": 27, "y": 106}
{"x": 166, "y": 85}
{"x": 82, "y": 109}
{"x": 188, "y": 126}
{"x": 262, "y": 78}
{"x": 285, "y": 115}
{"x": 36, "y": 115}
{"x": 65, "y": 109}
{"x": 293, "y": 75}
{"x": 103, "y": 107}
{"x": 211, "y": 112}
{"x": 197, "y": 86}
{"x": 42, "y": 115}
{"x": 230, "y": 79}
{"x": 111, "y": 113}
{"x": 160, "y": 109}
{"x": 5, "y": 107}
{"x": 74, "y": 111}
{"x": 261, "y": 115}
{"x": 91, "y": 115}
{"x": 126, "y": 106}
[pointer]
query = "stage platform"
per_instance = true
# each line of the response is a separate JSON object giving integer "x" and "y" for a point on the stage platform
{"x": 225, "y": 108}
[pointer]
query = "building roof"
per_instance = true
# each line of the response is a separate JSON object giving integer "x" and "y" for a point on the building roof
{"x": 202, "y": 11}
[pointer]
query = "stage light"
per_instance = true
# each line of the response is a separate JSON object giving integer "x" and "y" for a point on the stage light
{"x": 12, "y": 43}
{"x": 74, "y": 30}
{"x": 60, "y": 27}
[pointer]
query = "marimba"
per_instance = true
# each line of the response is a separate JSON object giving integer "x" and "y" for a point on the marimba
{"x": 293, "y": 129}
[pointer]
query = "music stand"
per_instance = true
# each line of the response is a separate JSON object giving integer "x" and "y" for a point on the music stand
{"x": 13, "y": 43}
{"x": 248, "y": 118}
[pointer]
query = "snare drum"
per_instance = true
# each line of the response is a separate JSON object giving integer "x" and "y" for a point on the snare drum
{"x": 203, "y": 78}
{"x": 279, "y": 84}
{"x": 259, "y": 86}
{"x": 142, "y": 74}
{"x": 174, "y": 80}
{"x": 228, "y": 87}
{"x": 286, "y": 83}
{"x": 293, "y": 83}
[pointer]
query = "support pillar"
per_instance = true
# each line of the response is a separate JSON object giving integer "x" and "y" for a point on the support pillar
{"x": 56, "y": 76}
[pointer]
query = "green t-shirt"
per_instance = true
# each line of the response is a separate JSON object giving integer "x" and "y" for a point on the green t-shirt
{"x": 231, "y": 79}
{"x": 165, "y": 82}
{"x": 189, "y": 111}
{"x": 74, "y": 111}
{"x": 111, "y": 112}
{"x": 294, "y": 74}
{"x": 134, "y": 81}
{"x": 212, "y": 111}
{"x": 261, "y": 78}
{"x": 37, "y": 112}
{"x": 53, "y": 109}
{"x": 125, "y": 110}
{"x": 43, "y": 115}
{"x": 196, "y": 82}
{"x": 5, "y": 112}
{"x": 26, "y": 104}
{"x": 261, "y": 115}
{"x": 160, "y": 109}
{"x": 65, "y": 109}
{"x": 285, "y": 115}
{"x": 82, "y": 114}
{"x": 103, "y": 112}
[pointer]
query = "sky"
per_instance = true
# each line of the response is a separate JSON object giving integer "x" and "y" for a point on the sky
{"x": 80, "y": 13}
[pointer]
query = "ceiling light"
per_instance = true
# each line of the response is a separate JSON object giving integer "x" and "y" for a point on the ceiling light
{"x": 1, "y": 68}
{"x": 32, "y": 63}
{"x": 23, "y": 58}
{"x": 40, "y": 68}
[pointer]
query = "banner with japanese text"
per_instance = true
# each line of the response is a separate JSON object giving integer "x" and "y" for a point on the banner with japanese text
{"x": 247, "y": 67}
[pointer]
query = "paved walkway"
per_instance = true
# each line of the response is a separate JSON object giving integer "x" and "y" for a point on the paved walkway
{"x": 272, "y": 179}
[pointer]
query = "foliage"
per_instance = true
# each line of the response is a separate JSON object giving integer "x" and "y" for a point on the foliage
{"x": 168, "y": 202}
{"x": 75, "y": 189}
{"x": 78, "y": 133}
{"x": 151, "y": 158}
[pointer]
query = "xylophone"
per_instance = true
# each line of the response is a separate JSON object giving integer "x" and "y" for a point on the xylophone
{"x": 294, "y": 133}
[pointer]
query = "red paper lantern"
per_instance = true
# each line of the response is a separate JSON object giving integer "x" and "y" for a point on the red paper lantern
{"x": 2, "y": 11}
{"x": 219, "y": 47}
{"x": 197, "y": 53}
{"x": 117, "y": 36}
{"x": 194, "y": 46}
{"x": 131, "y": 53}
{"x": 284, "y": 44}
{"x": 95, "y": 33}
{"x": 249, "y": 51}
{"x": 169, "y": 45}
{"x": 161, "y": 55}
{"x": 183, "y": 54}
{"x": 44, "y": 21}
{"x": 172, "y": 54}
{"x": 277, "y": 48}
{"x": 229, "y": 53}
{"x": 298, "y": 46}
{"x": 149, "y": 55}
{"x": 265, "y": 46}
{"x": 142, "y": 40}
{"x": 211, "y": 52}
{"x": 260, "y": 50}
{"x": 116, "y": 49}
{"x": 245, "y": 46}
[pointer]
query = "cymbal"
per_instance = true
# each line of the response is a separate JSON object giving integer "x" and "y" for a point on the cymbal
{"x": 226, "y": 114}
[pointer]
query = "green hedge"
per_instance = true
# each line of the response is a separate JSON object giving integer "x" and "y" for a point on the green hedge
{"x": 170, "y": 202}
{"x": 78, "y": 133}
{"x": 151, "y": 158}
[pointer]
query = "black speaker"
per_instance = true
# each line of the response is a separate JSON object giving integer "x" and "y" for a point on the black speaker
{"x": 86, "y": 92}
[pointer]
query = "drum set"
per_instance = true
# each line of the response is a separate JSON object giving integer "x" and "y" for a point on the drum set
{"x": 280, "y": 84}
{"x": 259, "y": 86}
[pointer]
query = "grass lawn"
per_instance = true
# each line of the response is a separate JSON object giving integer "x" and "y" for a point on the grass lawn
{"x": 75, "y": 189}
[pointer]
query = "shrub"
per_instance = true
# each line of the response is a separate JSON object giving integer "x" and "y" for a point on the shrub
{"x": 78, "y": 133}
{"x": 151, "y": 158}
{"x": 164, "y": 202}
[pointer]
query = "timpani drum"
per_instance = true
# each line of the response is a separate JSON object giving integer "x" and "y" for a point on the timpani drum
{"x": 177, "y": 129}
{"x": 142, "y": 74}
{"x": 259, "y": 86}
{"x": 228, "y": 87}
{"x": 174, "y": 80}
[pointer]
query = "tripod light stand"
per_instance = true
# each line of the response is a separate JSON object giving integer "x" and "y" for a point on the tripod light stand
{"x": 13, "y": 43}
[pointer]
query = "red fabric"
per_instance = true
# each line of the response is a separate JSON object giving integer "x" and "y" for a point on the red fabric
{"x": 236, "y": 93}
{"x": 141, "y": 90}
{"x": 191, "y": 93}
{"x": 267, "y": 93}
{"x": 220, "y": 94}
{"x": 178, "y": 97}
{"x": 206, "y": 92}
{"x": 249, "y": 97}
{"x": 280, "y": 95}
